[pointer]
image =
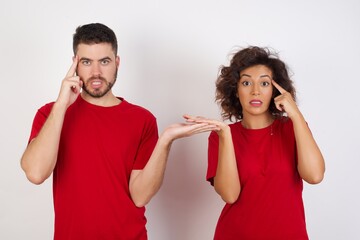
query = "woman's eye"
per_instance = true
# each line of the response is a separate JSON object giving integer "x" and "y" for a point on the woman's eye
{"x": 265, "y": 84}
{"x": 246, "y": 83}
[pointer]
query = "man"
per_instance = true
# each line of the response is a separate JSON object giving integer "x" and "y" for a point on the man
{"x": 104, "y": 152}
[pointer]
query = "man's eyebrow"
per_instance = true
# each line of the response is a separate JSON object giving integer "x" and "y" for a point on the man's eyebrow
{"x": 85, "y": 59}
{"x": 88, "y": 59}
{"x": 105, "y": 58}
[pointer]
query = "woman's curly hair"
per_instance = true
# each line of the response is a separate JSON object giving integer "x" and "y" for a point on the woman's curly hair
{"x": 229, "y": 76}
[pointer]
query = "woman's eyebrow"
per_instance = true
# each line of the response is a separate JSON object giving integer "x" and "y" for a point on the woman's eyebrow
{"x": 244, "y": 75}
{"x": 261, "y": 76}
{"x": 265, "y": 75}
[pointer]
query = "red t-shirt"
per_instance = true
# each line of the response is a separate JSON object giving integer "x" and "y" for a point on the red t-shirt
{"x": 99, "y": 147}
{"x": 270, "y": 205}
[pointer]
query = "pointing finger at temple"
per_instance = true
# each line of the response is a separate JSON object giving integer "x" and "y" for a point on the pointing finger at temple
{"x": 73, "y": 67}
{"x": 278, "y": 87}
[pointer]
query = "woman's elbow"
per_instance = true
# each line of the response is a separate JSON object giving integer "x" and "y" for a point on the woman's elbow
{"x": 230, "y": 197}
{"x": 312, "y": 174}
{"x": 314, "y": 178}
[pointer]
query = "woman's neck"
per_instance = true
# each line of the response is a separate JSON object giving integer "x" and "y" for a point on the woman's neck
{"x": 257, "y": 122}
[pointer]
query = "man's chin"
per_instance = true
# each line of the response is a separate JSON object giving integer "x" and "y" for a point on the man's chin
{"x": 95, "y": 94}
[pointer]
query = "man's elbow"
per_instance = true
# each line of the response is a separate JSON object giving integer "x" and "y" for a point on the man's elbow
{"x": 36, "y": 179}
{"x": 34, "y": 176}
{"x": 139, "y": 198}
{"x": 140, "y": 202}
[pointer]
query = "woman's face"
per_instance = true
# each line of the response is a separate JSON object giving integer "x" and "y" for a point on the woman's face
{"x": 255, "y": 90}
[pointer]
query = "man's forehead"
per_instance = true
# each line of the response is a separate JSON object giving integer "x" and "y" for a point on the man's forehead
{"x": 95, "y": 51}
{"x": 94, "y": 47}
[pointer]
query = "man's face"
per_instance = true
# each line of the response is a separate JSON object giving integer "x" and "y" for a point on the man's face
{"x": 97, "y": 68}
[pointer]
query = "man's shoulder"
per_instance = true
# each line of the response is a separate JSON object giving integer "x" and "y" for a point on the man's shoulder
{"x": 46, "y": 108}
{"x": 134, "y": 108}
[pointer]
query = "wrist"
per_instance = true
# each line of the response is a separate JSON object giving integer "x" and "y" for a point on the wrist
{"x": 224, "y": 131}
{"x": 165, "y": 140}
{"x": 59, "y": 107}
{"x": 297, "y": 117}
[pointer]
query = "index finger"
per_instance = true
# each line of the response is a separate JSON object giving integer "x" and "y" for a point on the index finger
{"x": 73, "y": 67}
{"x": 278, "y": 87}
{"x": 192, "y": 118}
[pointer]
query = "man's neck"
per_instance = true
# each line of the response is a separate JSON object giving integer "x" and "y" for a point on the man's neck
{"x": 107, "y": 100}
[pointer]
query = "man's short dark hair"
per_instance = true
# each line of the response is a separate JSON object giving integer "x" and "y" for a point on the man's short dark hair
{"x": 94, "y": 33}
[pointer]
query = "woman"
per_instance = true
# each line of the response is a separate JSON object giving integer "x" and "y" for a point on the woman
{"x": 257, "y": 164}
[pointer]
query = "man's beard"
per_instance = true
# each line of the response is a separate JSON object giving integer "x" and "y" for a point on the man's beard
{"x": 98, "y": 93}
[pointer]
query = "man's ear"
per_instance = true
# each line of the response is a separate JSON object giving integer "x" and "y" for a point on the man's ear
{"x": 117, "y": 60}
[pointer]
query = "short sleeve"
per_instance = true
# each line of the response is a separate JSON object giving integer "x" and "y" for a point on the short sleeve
{"x": 213, "y": 154}
{"x": 39, "y": 120}
{"x": 148, "y": 141}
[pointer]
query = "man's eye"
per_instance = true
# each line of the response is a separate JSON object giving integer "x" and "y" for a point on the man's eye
{"x": 85, "y": 62}
{"x": 105, "y": 62}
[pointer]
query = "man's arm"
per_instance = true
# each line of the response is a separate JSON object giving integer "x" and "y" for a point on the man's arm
{"x": 145, "y": 183}
{"x": 39, "y": 158}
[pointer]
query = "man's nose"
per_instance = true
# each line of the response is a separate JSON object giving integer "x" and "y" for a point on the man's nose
{"x": 96, "y": 69}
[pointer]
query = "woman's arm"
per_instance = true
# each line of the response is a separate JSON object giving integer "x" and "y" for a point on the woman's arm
{"x": 311, "y": 164}
{"x": 226, "y": 180}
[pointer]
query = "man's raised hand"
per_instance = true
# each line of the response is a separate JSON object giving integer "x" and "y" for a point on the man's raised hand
{"x": 71, "y": 86}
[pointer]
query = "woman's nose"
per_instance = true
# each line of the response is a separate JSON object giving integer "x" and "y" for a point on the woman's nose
{"x": 255, "y": 90}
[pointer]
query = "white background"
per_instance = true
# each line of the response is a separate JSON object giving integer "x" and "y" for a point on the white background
{"x": 170, "y": 55}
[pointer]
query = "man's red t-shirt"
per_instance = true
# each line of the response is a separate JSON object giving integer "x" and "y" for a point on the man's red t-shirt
{"x": 99, "y": 147}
